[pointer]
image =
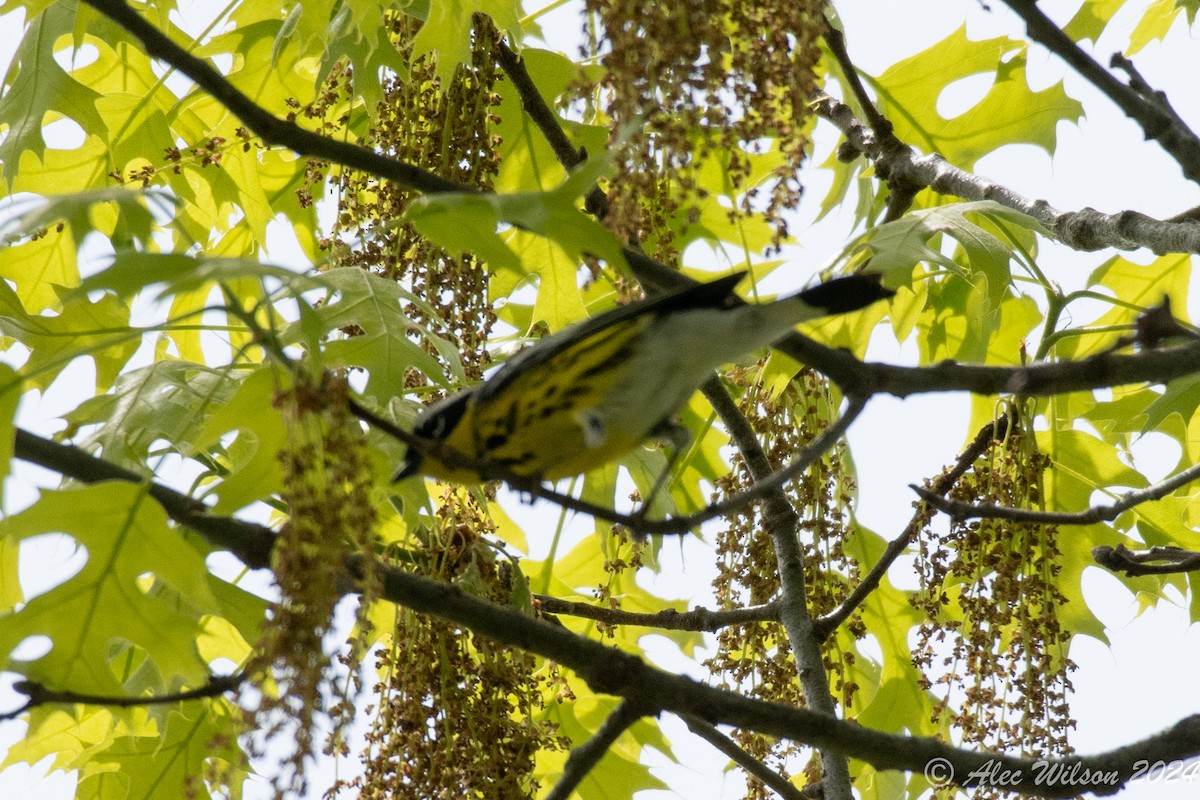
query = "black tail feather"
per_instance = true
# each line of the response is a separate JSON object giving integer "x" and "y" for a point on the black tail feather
{"x": 842, "y": 295}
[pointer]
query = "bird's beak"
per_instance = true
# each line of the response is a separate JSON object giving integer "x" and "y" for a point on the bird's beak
{"x": 409, "y": 467}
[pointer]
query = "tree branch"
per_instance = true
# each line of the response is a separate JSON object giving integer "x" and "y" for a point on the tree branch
{"x": 773, "y": 780}
{"x": 611, "y": 671}
{"x": 697, "y": 619}
{"x": 959, "y": 510}
{"x": 1157, "y": 121}
{"x": 1040, "y": 379}
{"x": 779, "y": 516}
{"x": 1140, "y": 562}
{"x": 901, "y": 192}
{"x": 251, "y": 543}
{"x": 1085, "y": 230}
{"x": 595, "y": 201}
{"x": 39, "y": 695}
{"x": 1147, "y": 92}
{"x": 781, "y": 523}
{"x": 851, "y": 375}
{"x": 585, "y": 757}
{"x": 270, "y": 128}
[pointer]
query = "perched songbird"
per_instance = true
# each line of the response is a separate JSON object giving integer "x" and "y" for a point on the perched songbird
{"x": 590, "y": 393}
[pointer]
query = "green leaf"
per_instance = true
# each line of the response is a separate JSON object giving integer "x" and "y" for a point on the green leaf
{"x": 549, "y": 214}
{"x": 620, "y": 772}
{"x": 1091, "y": 19}
{"x": 962, "y": 313}
{"x": 98, "y": 330}
{"x": 38, "y": 269}
{"x": 447, "y": 30}
{"x": 1083, "y": 463}
{"x": 1127, "y": 412}
{"x": 896, "y": 247}
{"x": 375, "y": 305}
{"x": 463, "y": 223}
{"x": 80, "y": 211}
{"x": 166, "y": 400}
{"x": 10, "y": 581}
{"x": 1137, "y": 285}
{"x": 196, "y": 736}
{"x": 108, "y": 602}
{"x": 358, "y": 35}
{"x": 10, "y": 396}
{"x": 268, "y": 73}
{"x": 527, "y": 162}
{"x": 131, "y": 272}
{"x": 559, "y": 303}
{"x": 41, "y": 88}
{"x": 73, "y": 739}
{"x": 1157, "y": 20}
{"x": 251, "y": 460}
{"x": 1180, "y": 397}
{"x": 1010, "y": 113}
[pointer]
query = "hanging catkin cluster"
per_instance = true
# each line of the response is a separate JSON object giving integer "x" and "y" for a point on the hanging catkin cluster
{"x": 756, "y": 658}
{"x": 448, "y": 130}
{"x": 327, "y": 482}
{"x": 694, "y": 89}
{"x": 456, "y": 713}
{"x": 992, "y": 647}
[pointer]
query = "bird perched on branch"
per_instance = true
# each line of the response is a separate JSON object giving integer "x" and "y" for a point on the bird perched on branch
{"x": 590, "y": 393}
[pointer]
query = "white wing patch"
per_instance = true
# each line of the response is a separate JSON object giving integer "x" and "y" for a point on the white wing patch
{"x": 594, "y": 429}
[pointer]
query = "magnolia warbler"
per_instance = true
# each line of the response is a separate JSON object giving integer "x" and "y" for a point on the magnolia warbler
{"x": 590, "y": 393}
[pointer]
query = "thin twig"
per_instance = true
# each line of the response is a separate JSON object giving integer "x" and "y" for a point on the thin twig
{"x": 901, "y": 190}
{"x": 990, "y": 432}
{"x": 595, "y": 201}
{"x": 585, "y": 757}
{"x": 959, "y": 510}
{"x": 1140, "y": 85}
{"x": 1142, "y": 562}
{"x": 39, "y": 695}
{"x": 880, "y": 125}
{"x": 1158, "y": 123}
{"x": 1085, "y": 230}
{"x": 773, "y": 780}
{"x": 803, "y": 460}
{"x": 696, "y": 619}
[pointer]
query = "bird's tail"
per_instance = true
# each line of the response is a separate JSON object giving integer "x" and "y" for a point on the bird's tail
{"x": 842, "y": 295}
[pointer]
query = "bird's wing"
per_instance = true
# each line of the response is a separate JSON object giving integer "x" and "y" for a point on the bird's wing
{"x": 714, "y": 294}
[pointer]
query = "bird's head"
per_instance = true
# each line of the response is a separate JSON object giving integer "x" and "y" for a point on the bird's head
{"x": 435, "y": 423}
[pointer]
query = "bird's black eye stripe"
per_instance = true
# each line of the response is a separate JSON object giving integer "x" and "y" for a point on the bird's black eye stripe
{"x": 441, "y": 418}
